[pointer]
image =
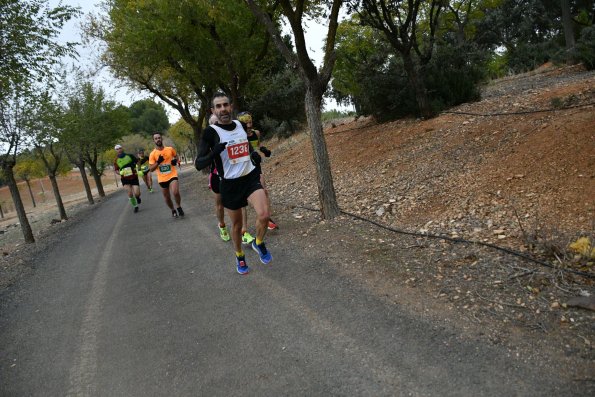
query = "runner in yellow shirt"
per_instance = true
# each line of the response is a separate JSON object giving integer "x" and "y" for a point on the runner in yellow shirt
{"x": 164, "y": 160}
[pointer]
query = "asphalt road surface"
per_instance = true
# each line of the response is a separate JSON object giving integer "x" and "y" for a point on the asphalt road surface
{"x": 146, "y": 305}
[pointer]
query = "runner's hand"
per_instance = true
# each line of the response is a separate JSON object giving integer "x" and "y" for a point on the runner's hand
{"x": 265, "y": 151}
{"x": 160, "y": 159}
{"x": 255, "y": 157}
{"x": 174, "y": 161}
{"x": 219, "y": 147}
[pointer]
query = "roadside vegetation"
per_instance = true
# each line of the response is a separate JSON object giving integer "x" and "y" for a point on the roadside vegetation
{"x": 387, "y": 60}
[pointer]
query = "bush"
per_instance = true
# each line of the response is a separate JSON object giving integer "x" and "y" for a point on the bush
{"x": 585, "y": 47}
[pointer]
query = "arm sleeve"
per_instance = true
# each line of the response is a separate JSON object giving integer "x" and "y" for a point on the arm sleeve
{"x": 205, "y": 155}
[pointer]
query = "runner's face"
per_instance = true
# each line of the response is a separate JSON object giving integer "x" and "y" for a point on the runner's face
{"x": 157, "y": 139}
{"x": 222, "y": 109}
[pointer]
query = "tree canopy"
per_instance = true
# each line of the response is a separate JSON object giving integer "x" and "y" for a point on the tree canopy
{"x": 147, "y": 116}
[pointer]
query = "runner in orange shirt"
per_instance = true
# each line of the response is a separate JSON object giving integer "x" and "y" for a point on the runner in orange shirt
{"x": 164, "y": 159}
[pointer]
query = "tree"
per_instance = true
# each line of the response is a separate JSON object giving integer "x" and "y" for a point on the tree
{"x": 28, "y": 40}
{"x": 93, "y": 124}
{"x": 147, "y": 116}
{"x": 363, "y": 58}
{"x": 27, "y": 167}
{"x": 400, "y": 22}
{"x": 28, "y": 49}
{"x": 45, "y": 131}
{"x": 183, "y": 138}
{"x": 13, "y": 124}
{"x": 209, "y": 47}
{"x": 316, "y": 81}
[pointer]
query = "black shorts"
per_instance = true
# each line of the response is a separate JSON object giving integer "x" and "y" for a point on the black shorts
{"x": 131, "y": 181}
{"x": 214, "y": 182}
{"x": 165, "y": 184}
{"x": 235, "y": 192}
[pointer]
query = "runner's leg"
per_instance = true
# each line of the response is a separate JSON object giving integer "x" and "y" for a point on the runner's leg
{"x": 244, "y": 220}
{"x": 167, "y": 197}
{"x": 175, "y": 189}
{"x": 219, "y": 211}
{"x": 236, "y": 228}
{"x": 258, "y": 201}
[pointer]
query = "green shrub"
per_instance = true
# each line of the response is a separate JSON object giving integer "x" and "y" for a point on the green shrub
{"x": 585, "y": 47}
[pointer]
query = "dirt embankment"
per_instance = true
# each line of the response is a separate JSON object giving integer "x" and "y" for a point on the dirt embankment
{"x": 516, "y": 169}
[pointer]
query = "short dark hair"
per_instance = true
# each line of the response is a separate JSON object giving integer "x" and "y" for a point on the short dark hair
{"x": 219, "y": 94}
{"x": 156, "y": 132}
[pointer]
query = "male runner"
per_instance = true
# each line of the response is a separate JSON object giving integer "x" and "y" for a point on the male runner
{"x": 226, "y": 143}
{"x": 125, "y": 166}
{"x": 214, "y": 186}
{"x": 142, "y": 169}
{"x": 164, "y": 160}
{"x": 254, "y": 139}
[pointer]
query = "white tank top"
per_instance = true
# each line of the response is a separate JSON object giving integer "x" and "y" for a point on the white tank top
{"x": 236, "y": 156}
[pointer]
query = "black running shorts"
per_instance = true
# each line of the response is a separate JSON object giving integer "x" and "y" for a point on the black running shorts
{"x": 131, "y": 181}
{"x": 165, "y": 184}
{"x": 235, "y": 192}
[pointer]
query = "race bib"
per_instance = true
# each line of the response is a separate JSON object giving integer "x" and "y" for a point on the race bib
{"x": 145, "y": 169}
{"x": 238, "y": 151}
{"x": 126, "y": 171}
{"x": 165, "y": 169}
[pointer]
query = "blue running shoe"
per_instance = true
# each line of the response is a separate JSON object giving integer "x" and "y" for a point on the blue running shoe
{"x": 241, "y": 265}
{"x": 265, "y": 255}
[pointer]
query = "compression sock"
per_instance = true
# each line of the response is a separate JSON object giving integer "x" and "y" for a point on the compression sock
{"x": 133, "y": 201}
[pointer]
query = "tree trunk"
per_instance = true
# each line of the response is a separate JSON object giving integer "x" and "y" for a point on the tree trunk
{"x": 567, "y": 25}
{"x": 97, "y": 179}
{"x": 18, "y": 204}
{"x": 326, "y": 190}
{"x": 417, "y": 84}
{"x": 58, "y": 197}
{"x": 81, "y": 167}
{"x": 30, "y": 192}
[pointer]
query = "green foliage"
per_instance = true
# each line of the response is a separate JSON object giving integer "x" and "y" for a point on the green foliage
{"x": 585, "y": 47}
{"x": 29, "y": 44}
{"x": 28, "y": 167}
{"x": 371, "y": 76}
{"x": 92, "y": 123}
{"x": 531, "y": 33}
{"x": 182, "y": 135}
{"x": 454, "y": 74}
{"x": 183, "y": 51}
{"x": 147, "y": 116}
{"x": 279, "y": 109}
{"x": 496, "y": 65}
{"x": 331, "y": 115}
{"x": 131, "y": 144}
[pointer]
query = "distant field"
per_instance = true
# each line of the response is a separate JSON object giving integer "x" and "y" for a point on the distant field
{"x": 71, "y": 189}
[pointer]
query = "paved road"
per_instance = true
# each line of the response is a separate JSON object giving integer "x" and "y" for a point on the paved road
{"x": 146, "y": 305}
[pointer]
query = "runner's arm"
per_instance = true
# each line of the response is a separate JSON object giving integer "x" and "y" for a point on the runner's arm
{"x": 205, "y": 155}
{"x": 153, "y": 164}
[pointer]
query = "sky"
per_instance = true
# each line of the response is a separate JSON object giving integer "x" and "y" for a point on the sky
{"x": 87, "y": 56}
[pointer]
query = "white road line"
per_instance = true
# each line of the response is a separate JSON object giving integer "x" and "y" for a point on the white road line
{"x": 82, "y": 373}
